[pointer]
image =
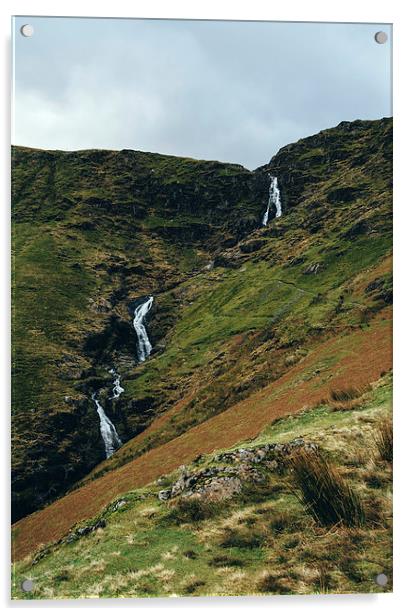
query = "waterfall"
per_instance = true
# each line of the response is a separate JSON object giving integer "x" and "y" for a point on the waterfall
{"x": 144, "y": 347}
{"x": 117, "y": 390}
{"x": 274, "y": 200}
{"x": 108, "y": 432}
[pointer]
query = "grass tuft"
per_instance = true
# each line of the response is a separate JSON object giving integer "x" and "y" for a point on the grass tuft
{"x": 242, "y": 538}
{"x": 324, "y": 492}
{"x": 281, "y": 522}
{"x": 193, "y": 585}
{"x": 384, "y": 440}
{"x": 187, "y": 510}
{"x": 222, "y": 560}
{"x": 271, "y": 583}
{"x": 345, "y": 395}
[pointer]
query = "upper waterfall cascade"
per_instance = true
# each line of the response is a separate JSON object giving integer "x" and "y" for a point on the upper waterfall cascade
{"x": 274, "y": 201}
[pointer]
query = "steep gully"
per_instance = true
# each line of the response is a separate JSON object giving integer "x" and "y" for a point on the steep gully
{"x": 144, "y": 347}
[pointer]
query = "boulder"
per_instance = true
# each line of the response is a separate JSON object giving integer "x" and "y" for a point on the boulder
{"x": 313, "y": 268}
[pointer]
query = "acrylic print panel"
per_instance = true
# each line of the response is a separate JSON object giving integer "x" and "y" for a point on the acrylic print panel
{"x": 202, "y": 298}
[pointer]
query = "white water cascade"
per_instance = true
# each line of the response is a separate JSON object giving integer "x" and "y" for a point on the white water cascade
{"x": 108, "y": 432}
{"x": 144, "y": 347}
{"x": 274, "y": 200}
{"x": 117, "y": 390}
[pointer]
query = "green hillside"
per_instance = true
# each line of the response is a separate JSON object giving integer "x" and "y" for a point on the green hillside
{"x": 236, "y": 524}
{"x": 92, "y": 231}
{"x": 236, "y": 306}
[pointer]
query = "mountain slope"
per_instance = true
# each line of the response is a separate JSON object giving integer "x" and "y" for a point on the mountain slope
{"x": 236, "y": 307}
{"x": 272, "y": 296}
{"x": 334, "y": 366}
{"x": 93, "y": 231}
{"x": 232, "y": 523}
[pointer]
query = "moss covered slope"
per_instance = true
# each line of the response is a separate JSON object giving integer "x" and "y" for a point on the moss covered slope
{"x": 236, "y": 306}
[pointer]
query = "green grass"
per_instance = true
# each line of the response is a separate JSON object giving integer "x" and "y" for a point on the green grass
{"x": 265, "y": 545}
{"x": 37, "y": 335}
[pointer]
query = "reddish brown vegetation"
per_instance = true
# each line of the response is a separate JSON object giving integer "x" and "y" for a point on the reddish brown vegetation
{"x": 351, "y": 361}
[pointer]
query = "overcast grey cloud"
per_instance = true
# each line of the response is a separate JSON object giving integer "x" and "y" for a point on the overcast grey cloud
{"x": 230, "y": 91}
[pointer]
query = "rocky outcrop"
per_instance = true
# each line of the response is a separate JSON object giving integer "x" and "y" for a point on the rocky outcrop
{"x": 381, "y": 288}
{"x": 194, "y": 201}
{"x": 86, "y": 529}
{"x": 251, "y": 245}
{"x": 313, "y": 268}
{"x": 243, "y": 466}
{"x": 270, "y": 451}
{"x": 301, "y": 165}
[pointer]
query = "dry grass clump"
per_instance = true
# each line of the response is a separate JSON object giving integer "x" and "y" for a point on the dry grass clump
{"x": 348, "y": 393}
{"x": 187, "y": 510}
{"x": 222, "y": 560}
{"x": 324, "y": 492}
{"x": 375, "y": 479}
{"x": 273, "y": 584}
{"x": 384, "y": 440}
{"x": 242, "y": 538}
{"x": 193, "y": 583}
{"x": 281, "y": 522}
{"x": 346, "y": 399}
{"x": 324, "y": 579}
{"x": 348, "y": 405}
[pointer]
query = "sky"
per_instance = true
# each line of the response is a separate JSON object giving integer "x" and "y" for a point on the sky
{"x": 219, "y": 90}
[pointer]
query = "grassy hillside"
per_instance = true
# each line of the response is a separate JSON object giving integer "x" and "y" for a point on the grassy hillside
{"x": 249, "y": 324}
{"x": 92, "y": 231}
{"x": 238, "y": 524}
{"x": 334, "y": 366}
{"x": 261, "y": 309}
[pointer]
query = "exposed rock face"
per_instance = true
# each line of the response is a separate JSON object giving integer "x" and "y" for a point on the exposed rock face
{"x": 85, "y": 529}
{"x": 382, "y": 289}
{"x": 197, "y": 201}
